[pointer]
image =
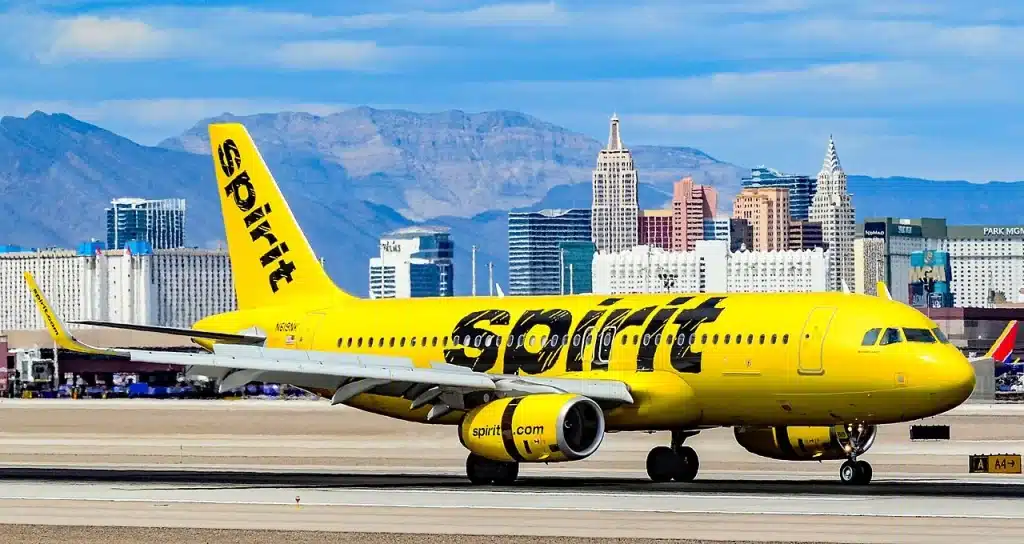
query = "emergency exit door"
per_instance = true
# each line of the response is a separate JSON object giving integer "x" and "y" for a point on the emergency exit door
{"x": 812, "y": 341}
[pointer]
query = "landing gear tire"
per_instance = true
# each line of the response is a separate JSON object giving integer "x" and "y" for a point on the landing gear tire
{"x": 855, "y": 472}
{"x": 483, "y": 471}
{"x": 680, "y": 465}
{"x": 689, "y": 464}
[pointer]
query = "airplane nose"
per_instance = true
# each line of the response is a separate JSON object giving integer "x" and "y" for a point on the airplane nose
{"x": 960, "y": 379}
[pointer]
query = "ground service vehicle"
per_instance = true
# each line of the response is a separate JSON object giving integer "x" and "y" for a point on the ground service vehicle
{"x": 541, "y": 379}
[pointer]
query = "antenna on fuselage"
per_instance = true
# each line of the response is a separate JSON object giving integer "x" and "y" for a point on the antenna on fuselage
{"x": 883, "y": 291}
{"x": 846, "y": 288}
{"x": 501, "y": 294}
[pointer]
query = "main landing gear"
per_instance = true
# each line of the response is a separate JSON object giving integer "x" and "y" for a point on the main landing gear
{"x": 855, "y": 472}
{"x": 678, "y": 462}
{"x": 482, "y": 471}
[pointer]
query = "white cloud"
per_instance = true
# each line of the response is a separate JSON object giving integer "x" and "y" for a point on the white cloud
{"x": 114, "y": 38}
{"x": 340, "y": 55}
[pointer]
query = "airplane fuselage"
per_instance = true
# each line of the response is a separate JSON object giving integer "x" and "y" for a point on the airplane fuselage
{"x": 689, "y": 360}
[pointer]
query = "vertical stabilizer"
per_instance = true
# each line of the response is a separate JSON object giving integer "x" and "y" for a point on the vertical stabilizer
{"x": 271, "y": 261}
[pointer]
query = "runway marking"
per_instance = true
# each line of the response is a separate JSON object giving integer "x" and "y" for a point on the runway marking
{"x": 523, "y": 508}
{"x": 611, "y": 494}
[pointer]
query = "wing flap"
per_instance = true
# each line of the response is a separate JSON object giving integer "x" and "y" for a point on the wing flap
{"x": 192, "y": 333}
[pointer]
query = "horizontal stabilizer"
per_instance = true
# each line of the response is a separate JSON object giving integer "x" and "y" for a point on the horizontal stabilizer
{"x": 193, "y": 333}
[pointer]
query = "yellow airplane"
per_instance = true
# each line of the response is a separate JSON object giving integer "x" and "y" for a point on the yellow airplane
{"x": 542, "y": 379}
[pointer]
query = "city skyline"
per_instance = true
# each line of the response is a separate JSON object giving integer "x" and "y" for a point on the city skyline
{"x": 933, "y": 98}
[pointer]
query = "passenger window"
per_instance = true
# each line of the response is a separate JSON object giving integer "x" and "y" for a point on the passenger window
{"x": 412, "y": 341}
{"x": 774, "y": 338}
{"x": 657, "y": 339}
{"x": 761, "y": 340}
{"x": 371, "y": 343}
{"x": 704, "y": 339}
{"x": 359, "y": 343}
{"x": 444, "y": 341}
{"x": 870, "y": 337}
{"x": 476, "y": 341}
{"x": 727, "y": 337}
{"x": 714, "y": 339}
{"x": 575, "y": 340}
{"x": 668, "y": 338}
{"x": 381, "y": 342}
{"x": 681, "y": 340}
{"x": 433, "y": 342}
{"x": 785, "y": 338}
{"x": 468, "y": 340}
{"x": 647, "y": 339}
{"x": 340, "y": 340}
{"x": 693, "y": 338}
{"x": 750, "y": 338}
{"x": 487, "y": 342}
{"x": 349, "y": 343}
{"x": 424, "y": 344}
{"x": 402, "y": 342}
{"x": 919, "y": 335}
{"x": 940, "y": 335}
{"x": 532, "y": 340}
{"x": 636, "y": 339}
{"x": 391, "y": 343}
{"x": 891, "y": 336}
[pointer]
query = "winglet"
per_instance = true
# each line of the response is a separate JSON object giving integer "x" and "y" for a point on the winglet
{"x": 883, "y": 291}
{"x": 846, "y": 288}
{"x": 501, "y": 294}
{"x": 60, "y": 334}
{"x": 1002, "y": 348}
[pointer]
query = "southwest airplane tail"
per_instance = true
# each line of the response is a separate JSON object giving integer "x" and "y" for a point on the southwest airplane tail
{"x": 798, "y": 376}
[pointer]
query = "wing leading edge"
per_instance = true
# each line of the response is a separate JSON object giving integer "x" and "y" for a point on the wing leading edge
{"x": 348, "y": 374}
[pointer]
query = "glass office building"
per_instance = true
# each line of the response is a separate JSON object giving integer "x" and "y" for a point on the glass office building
{"x": 414, "y": 262}
{"x": 577, "y": 266}
{"x": 801, "y": 188}
{"x": 161, "y": 223}
{"x": 533, "y": 247}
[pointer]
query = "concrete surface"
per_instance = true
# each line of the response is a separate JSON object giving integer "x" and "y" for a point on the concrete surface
{"x": 240, "y": 464}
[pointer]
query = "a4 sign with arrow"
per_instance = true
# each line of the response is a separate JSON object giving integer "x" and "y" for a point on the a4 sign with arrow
{"x": 1009, "y": 463}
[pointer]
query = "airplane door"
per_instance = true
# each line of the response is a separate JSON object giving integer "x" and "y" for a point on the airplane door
{"x": 812, "y": 341}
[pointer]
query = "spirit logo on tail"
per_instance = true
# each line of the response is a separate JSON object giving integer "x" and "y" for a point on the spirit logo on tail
{"x": 240, "y": 188}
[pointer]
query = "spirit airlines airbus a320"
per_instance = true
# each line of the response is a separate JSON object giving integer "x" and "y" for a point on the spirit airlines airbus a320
{"x": 542, "y": 379}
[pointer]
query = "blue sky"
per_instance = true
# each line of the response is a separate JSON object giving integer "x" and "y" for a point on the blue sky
{"x": 924, "y": 88}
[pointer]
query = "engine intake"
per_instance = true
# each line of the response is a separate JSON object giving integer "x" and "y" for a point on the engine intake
{"x": 535, "y": 428}
{"x": 806, "y": 443}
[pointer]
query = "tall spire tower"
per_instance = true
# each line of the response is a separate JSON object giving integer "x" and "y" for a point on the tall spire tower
{"x": 615, "y": 216}
{"x": 833, "y": 209}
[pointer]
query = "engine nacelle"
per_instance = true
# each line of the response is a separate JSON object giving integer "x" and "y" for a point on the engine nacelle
{"x": 535, "y": 428}
{"x": 805, "y": 443}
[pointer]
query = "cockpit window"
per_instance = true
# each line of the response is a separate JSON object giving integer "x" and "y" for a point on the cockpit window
{"x": 919, "y": 335}
{"x": 871, "y": 337}
{"x": 891, "y": 336}
{"x": 940, "y": 335}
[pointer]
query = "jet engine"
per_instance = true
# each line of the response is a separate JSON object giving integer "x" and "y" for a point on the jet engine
{"x": 807, "y": 443}
{"x": 536, "y": 428}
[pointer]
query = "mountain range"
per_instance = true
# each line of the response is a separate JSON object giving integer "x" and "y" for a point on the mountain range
{"x": 353, "y": 175}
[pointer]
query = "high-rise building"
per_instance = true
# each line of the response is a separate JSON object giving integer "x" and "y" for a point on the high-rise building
{"x": 533, "y": 247}
{"x": 414, "y": 262}
{"x": 160, "y": 223}
{"x": 805, "y": 235}
{"x": 930, "y": 274}
{"x": 718, "y": 228}
{"x": 140, "y": 285}
{"x": 767, "y": 211}
{"x": 832, "y": 209}
{"x": 710, "y": 268}
{"x": 615, "y": 206}
{"x": 801, "y": 188}
{"x": 692, "y": 204}
{"x": 656, "y": 228}
{"x": 884, "y": 253}
{"x": 577, "y": 267}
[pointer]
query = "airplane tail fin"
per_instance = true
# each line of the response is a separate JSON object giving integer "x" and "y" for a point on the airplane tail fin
{"x": 55, "y": 325}
{"x": 1002, "y": 349}
{"x": 271, "y": 260}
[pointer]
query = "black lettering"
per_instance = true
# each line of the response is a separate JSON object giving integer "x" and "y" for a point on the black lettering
{"x": 603, "y": 349}
{"x": 230, "y": 158}
{"x": 683, "y": 358}
{"x": 518, "y": 357}
{"x": 489, "y": 342}
{"x": 274, "y": 254}
{"x": 284, "y": 272}
{"x": 256, "y": 215}
{"x": 263, "y": 231}
{"x": 235, "y": 187}
{"x": 609, "y": 301}
{"x": 578, "y": 342}
{"x": 652, "y": 335}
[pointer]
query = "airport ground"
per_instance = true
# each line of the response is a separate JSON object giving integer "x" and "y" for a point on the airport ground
{"x": 180, "y": 471}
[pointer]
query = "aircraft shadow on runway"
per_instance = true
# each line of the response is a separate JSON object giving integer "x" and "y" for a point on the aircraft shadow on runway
{"x": 240, "y": 479}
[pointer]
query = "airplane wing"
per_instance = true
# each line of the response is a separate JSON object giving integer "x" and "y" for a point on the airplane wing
{"x": 348, "y": 374}
{"x": 191, "y": 333}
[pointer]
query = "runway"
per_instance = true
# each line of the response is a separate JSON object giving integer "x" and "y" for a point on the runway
{"x": 237, "y": 467}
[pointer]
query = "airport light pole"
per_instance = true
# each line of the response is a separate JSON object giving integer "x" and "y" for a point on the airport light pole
{"x": 473, "y": 269}
{"x": 490, "y": 278}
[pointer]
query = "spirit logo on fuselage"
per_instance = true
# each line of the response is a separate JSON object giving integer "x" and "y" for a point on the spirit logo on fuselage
{"x": 478, "y": 347}
{"x": 257, "y": 218}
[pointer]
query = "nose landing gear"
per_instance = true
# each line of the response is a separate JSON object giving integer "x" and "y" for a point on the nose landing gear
{"x": 857, "y": 440}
